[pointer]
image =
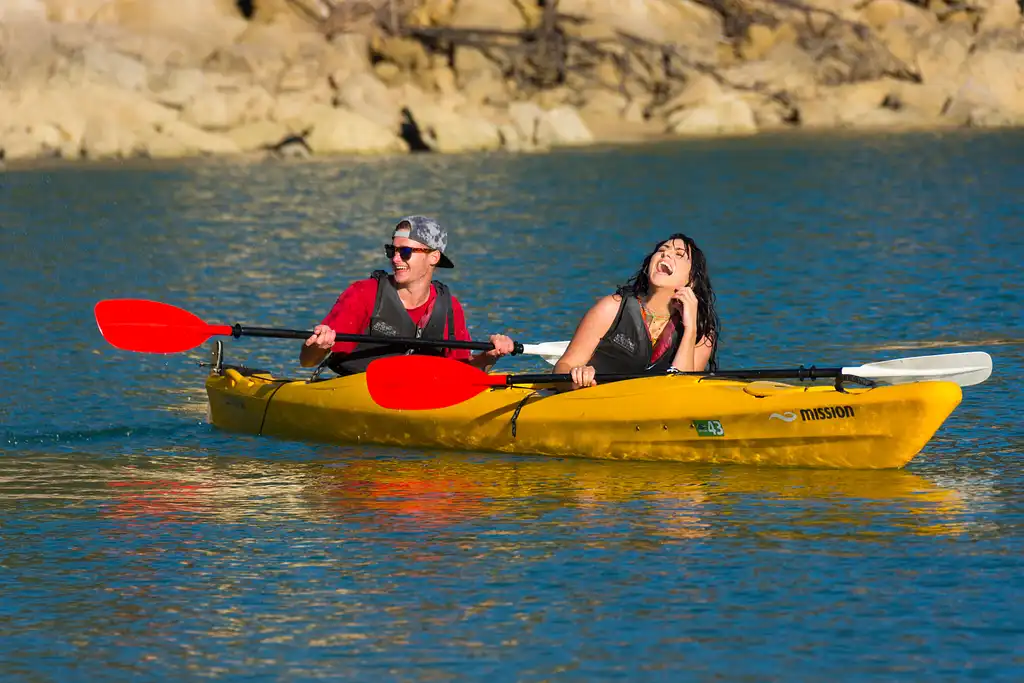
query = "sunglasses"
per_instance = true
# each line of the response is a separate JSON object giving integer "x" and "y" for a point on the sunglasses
{"x": 405, "y": 252}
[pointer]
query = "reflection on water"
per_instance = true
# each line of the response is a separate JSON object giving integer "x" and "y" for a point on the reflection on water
{"x": 662, "y": 502}
{"x": 385, "y": 552}
{"x": 449, "y": 491}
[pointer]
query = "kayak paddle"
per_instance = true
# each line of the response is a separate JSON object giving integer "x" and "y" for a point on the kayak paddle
{"x": 428, "y": 382}
{"x": 154, "y": 327}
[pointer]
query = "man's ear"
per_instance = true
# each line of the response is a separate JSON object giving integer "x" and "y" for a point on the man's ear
{"x": 435, "y": 257}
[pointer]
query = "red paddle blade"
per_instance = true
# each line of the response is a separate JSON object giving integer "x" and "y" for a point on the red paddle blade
{"x": 151, "y": 326}
{"x": 425, "y": 382}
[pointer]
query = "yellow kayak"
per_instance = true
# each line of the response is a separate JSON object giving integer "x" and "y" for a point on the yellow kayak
{"x": 663, "y": 418}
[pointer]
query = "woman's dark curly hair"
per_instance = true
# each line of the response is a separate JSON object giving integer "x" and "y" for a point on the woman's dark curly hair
{"x": 708, "y": 324}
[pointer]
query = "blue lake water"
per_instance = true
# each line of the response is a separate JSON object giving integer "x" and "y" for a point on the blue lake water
{"x": 137, "y": 541}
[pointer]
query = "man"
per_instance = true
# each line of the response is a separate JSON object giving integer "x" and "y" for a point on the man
{"x": 406, "y": 303}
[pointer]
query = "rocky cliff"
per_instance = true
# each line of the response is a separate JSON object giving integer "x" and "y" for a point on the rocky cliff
{"x": 101, "y": 79}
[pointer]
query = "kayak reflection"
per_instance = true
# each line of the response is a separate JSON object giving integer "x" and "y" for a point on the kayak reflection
{"x": 664, "y": 499}
{"x": 456, "y": 491}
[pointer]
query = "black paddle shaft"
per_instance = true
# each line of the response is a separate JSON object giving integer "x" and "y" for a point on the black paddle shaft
{"x": 239, "y": 331}
{"x": 801, "y": 373}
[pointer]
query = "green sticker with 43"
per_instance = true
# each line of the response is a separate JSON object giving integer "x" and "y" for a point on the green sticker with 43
{"x": 708, "y": 428}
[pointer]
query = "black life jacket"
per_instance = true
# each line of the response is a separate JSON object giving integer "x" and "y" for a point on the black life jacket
{"x": 391, "y": 319}
{"x": 626, "y": 346}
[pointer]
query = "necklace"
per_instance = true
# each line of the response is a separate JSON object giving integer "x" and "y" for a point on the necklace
{"x": 656, "y": 324}
{"x": 648, "y": 313}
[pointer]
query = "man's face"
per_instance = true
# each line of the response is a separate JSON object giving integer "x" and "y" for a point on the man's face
{"x": 420, "y": 263}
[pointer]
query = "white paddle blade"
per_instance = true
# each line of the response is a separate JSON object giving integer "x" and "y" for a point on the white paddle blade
{"x": 549, "y": 351}
{"x": 965, "y": 369}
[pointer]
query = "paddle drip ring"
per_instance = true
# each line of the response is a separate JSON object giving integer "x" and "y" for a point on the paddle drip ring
{"x": 840, "y": 379}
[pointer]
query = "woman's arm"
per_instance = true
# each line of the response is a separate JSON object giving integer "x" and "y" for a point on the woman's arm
{"x": 588, "y": 334}
{"x": 692, "y": 356}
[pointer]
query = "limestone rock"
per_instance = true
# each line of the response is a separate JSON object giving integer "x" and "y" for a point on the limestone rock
{"x": 258, "y": 135}
{"x": 406, "y": 53}
{"x": 525, "y": 119}
{"x": 868, "y": 105}
{"x": 178, "y": 138}
{"x": 728, "y": 114}
{"x": 501, "y": 15}
{"x": 216, "y": 21}
{"x": 337, "y": 131}
{"x": 348, "y": 54}
{"x": 104, "y": 138}
{"x": 97, "y": 120}
{"x": 23, "y": 12}
{"x": 369, "y": 97}
{"x": 690, "y": 25}
{"x": 295, "y": 111}
{"x": 444, "y": 129}
{"x": 120, "y": 70}
{"x": 992, "y": 92}
{"x": 218, "y": 111}
{"x": 700, "y": 89}
{"x": 26, "y": 45}
{"x": 1000, "y": 15}
{"x": 431, "y": 13}
{"x": 471, "y": 64}
{"x": 540, "y": 129}
{"x": 561, "y": 127}
{"x": 785, "y": 68}
{"x": 604, "y": 102}
{"x": 19, "y": 144}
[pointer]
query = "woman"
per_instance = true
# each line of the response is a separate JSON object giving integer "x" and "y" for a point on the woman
{"x": 663, "y": 318}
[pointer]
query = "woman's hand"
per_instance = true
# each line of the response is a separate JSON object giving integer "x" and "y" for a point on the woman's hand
{"x": 583, "y": 376}
{"x": 685, "y": 299}
{"x": 322, "y": 338}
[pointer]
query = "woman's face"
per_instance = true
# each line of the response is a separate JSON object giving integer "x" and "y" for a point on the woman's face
{"x": 670, "y": 266}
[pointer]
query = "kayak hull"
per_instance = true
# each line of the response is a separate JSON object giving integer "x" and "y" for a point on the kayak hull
{"x": 669, "y": 418}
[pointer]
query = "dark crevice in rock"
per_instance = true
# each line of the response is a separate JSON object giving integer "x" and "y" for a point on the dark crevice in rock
{"x": 410, "y": 132}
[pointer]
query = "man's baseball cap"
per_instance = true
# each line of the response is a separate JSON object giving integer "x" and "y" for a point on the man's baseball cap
{"x": 426, "y": 231}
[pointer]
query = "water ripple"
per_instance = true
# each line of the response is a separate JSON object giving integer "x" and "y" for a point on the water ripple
{"x": 137, "y": 541}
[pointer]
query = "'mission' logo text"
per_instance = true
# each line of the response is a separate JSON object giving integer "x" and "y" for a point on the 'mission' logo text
{"x": 827, "y": 413}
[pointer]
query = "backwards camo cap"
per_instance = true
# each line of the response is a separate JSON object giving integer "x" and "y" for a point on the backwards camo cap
{"x": 426, "y": 231}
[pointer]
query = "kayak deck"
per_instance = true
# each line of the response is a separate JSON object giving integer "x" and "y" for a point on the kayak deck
{"x": 665, "y": 418}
